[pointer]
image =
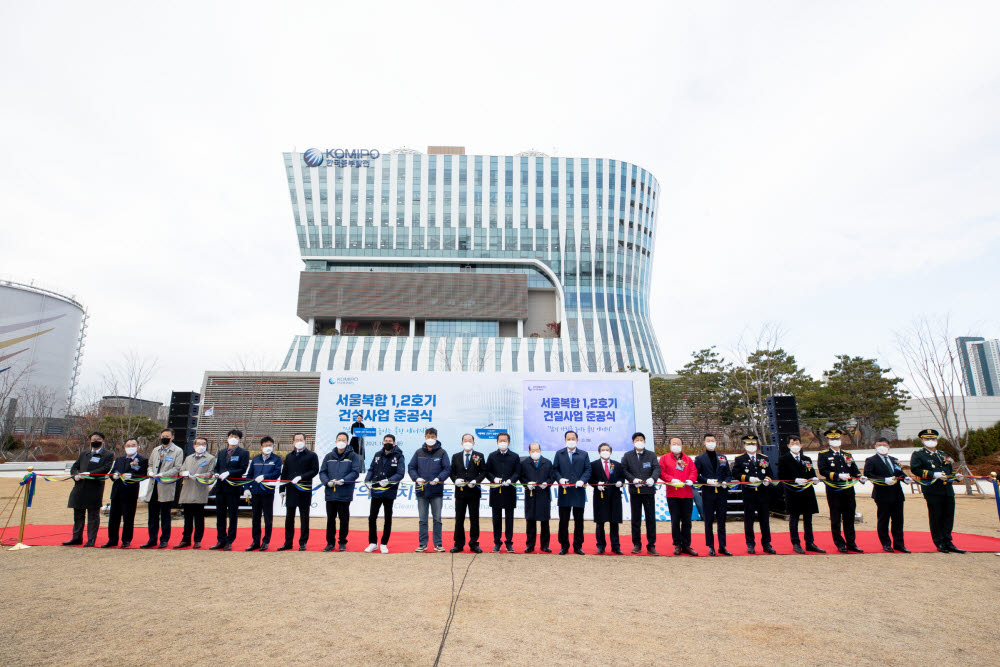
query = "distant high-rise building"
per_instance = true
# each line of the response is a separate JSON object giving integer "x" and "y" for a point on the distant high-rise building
{"x": 980, "y": 364}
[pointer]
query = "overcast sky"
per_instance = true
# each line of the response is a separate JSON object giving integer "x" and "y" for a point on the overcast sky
{"x": 833, "y": 167}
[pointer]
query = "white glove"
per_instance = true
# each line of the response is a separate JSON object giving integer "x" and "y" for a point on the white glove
{"x": 77, "y": 478}
{"x": 459, "y": 482}
{"x": 767, "y": 482}
{"x": 637, "y": 481}
{"x": 224, "y": 475}
{"x": 563, "y": 481}
{"x": 579, "y": 484}
{"x": 114, "y": 475}
{"x": 889, "y": 481}
{"x": 258, "y": 479}
{"x": 506, "y": 482}
{"x": 800, "y": 481}
{"x": 185, "y": 473}
{"x": 472, "y": 482}
{"x": 815, "y": 479}
{"x": 127, "y": 475}
{"x": 863, "y": 479}
{"x": 712, "y": 482}
{"x": 843, "y": 476}
{"x": 939, "y": 475}
{"x": 246, "y": 494}
{"x": 908, "y": 480}
{"x": 959, "y": 477}
{"x": 383, "y": 482}
{"x": 600, "y": 485}
{"x": 421, "y": 480}
{"x": 618, "y": 484}
{"x": 544, "y": 485}
{"x": 531, "y": 485}
{"x": 295, "y": 480}
{"x": 675, "y": 481}
{"x": 338, "y": 482}
{"x": 754, "y": 480}
{"x": 331, "y": 484}
{"x": 497, "y": 480}
{"x": 650, "y": 482}
{"x": 435, "y": 481}
{"x": 688, "y": 482}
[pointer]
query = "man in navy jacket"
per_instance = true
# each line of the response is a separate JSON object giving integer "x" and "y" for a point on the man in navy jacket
{"x": 230, "y": 462}
{"x": 429, "y": 468}
{"x": 387, "y": 470}
{"x": 572, "y": 468}
{"x": 125, "y": 493}
{"x": 339, "y": 470}
{"x": 468, "y": 469}
{"x": 266, "y": 465}
{"x": 713, "y": 473}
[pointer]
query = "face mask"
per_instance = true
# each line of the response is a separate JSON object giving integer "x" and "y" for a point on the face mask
{"x": 131, "y": 450}
{"x": 605, "y": 455}
{"x": 835, "y": 443}
{"x": 97, "y": 445}
{"x": 388, "y": 446}
{"x": 300, "y": 445}
{"x": 164, "y": 441}
{"x": 795, "y": 449}
{"x": 467, "y": 446}
{"x": 233, "y": 442}
{"x": 930, "y": 443}
{"x": 535, "y": 456}
{"x": 676, "y": 449}
{"x": 750, "y": 448}
{"x": 266, "y": 451}
{"x": 882, "y": 449}
{"x": 639, "y": 445}
{"x": 571, "y": 444}
{"x": 502, "y": 446}
{"x": 710, "y": 445}
{"x": 200, "y": 449}
{"x": 430, "y": 442}
{"x": 341, "y": 444}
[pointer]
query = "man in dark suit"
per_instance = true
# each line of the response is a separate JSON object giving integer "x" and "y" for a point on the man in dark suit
{"x": 230, "y": 462}
{"x": 713, "y": 474}
{"x": 641, "y": 469}
{"x": 124, "y": 494}
{"x": 607, "y": 478}
{"x": 468, "y": 469}
{"x": 840, "y": 470}
{"x": 299, "y": 468}
{"x": 886, "y": 473}
{"x": 800, "y": 496}
{"x": 87, "y": 495}
{"x": 503, "y": 468}
{"x": 536, "y": 476}
{"x": 754, "y": 470}
{"x": 936, "y": 469}
{"x": 572, "y": 468}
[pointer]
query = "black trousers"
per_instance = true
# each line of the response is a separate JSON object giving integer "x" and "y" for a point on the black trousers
{"x": 807, "y": 527}
{"x": 227, "y": 508}
{"x": 889, "y": 518}
{"x": 122, "y": 514}
{"x": 93, "y": 517}
{"x": 465, "y": 505}
{"x": 602, "y": 540}
{"x": 194, "y": 521}
{"x": 941, "y": 515}
{"x": 337, "y": 509}
{"x": 755, "y": 503}
{"x": 577, "y": 513}
{"x": 680, "y": 520}
{"x": 386, "y": 504}
{"x": 643, "y": 502}
{"x": 532, "y": 532}
{"x": 714, "y": 505}
{"x": 503, "y": 517}
{"x": 159, "y": 519}
{"x": 302, "y": 500}
{"x": 263, "y": 506}
{"x": 842, "y": 506}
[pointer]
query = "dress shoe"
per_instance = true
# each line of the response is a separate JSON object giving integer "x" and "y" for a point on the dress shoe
{"x": 72, "y": 543}
{"x": 457, "y": 550}
{"x": 600, "y": 552}
{"x": 182, "y": 544}
{"x": 529, "y": 550}
{"x": 689, "y": 551}
{"x": 677, "y": 551}
{"x": 302, "y": 547}
{"x": 768, "y": 549}
{"x": 263, "y": 547}
{"x": 797, "y": 549}
{"x": 476, "y": 550}
{"x": 217, "y": 546}
{"x": 723, "y": 551}
{"x": 579, "y": 552}
{"x": 855, "y": 550}
{"x": 89, "y": 543}
{"x": 342, "y": 547}
{"x": 751, "y": 550}
{"x": 902, "y": 550}
{"x": 328, "y": 548}
{"x": 651, "y": 551}
{"x": 197, "y": 545}
{"x": 944, "y": 550}
{"x": 147, "y": 545}
{"x": 843, "y": 550}
{"x": 125, "y": 545}
{"x": 496, "y": 548}
{"x": 711, "y": 551}
{"x": 228, "y": 547}
{"x": 955, "y": 550}
{"x": 636, "y": 550}
{"x": 509, "y": 549}
{"x": 283, "y": 547}
{"x": 811, "y": 546}
{"x": 162, "y": 545}
{"x": 108, "y": 545}
{"x": 888, "y": 550}
{"x": 252, "y": 547}
{"x": 563, "y": 551}
{"x": 545, "y": 550}
{"x": 617, "y": 552}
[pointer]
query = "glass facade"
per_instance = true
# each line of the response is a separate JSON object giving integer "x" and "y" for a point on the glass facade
{"x": 461, "y": 328}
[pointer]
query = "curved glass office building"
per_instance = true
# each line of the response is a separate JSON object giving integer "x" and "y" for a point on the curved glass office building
{"x": 446, "y": 261}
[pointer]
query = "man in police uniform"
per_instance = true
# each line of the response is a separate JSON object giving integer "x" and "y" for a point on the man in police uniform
{"x": 936, "y": 469}
{"x": 839, "y": 470}
{"x": 753, "y": 469}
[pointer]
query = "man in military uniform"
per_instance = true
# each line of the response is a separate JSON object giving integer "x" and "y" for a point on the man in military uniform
{"x": 754, "y": 469}
{"x": 839, "y": 469}
{"x": 935, "y": 469}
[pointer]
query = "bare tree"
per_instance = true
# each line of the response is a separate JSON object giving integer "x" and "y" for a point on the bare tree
{"x": 12, "y": 379}
{"x": 34, "y": 407}
{"x": 760, "y": 369}
{"x": 253, "y": 399}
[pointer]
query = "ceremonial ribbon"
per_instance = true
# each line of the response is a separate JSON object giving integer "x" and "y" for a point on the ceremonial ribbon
{"x": 29, "y": 479}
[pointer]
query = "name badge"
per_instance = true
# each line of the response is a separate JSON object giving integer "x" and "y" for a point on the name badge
{"x": 95, "y": 459}
{"x": 168, "y": 459}
{"x": 647, "y": 464}
{"x": 203, "y": 464}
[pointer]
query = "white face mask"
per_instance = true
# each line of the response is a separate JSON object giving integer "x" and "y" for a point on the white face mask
{"x": 751, "y": 449}
{"x": 535, "y": 455}
{"x": 835, "y": 443}
{"x": 676, "y": 449}
{"x": 639, "y": 445}
{"x": 795, "y": 449}
{"x": 300, "y": 444}
{"x": 882, "y": 449}
{"x": 430, "y": 442}
{"x": 571, "y": 444}
{"x": 502, "y": 446}
{"x": 233, "y": 442}
{"x": 266, "y": 451}
{"x": 710, "y": 445}
{"x": 467, "y": 446}
{"x": 930, "y": 443}
{"x": 341, "y": 444}
{"x": 131, "y": 450}
{"x": 605, "y": 455}
{"x": 200, "y": 449}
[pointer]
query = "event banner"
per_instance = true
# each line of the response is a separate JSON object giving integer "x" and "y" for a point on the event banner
{"x": 531, "y": 407}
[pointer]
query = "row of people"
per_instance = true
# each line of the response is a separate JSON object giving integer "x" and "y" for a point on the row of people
{"x": 571, "y": 469}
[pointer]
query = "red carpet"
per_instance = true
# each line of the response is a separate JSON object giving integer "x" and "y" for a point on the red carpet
{"x": 407, "y": 541}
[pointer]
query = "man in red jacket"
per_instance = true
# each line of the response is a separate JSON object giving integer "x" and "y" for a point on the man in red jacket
{"x": 678, "y": 471}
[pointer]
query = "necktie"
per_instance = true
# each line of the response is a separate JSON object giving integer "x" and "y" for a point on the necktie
{"x": 570, "y": 454}
{"x": 888, "y": 465}
{"x": 466, "y": 459}
{"x": 607, "y": 470}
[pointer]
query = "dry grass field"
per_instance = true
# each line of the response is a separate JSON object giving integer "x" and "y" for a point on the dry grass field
{"x": 92, "y": 606}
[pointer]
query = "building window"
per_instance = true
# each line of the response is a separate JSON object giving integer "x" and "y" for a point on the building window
{"x": 457, "y": 328}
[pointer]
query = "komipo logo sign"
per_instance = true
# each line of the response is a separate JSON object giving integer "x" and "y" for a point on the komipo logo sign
{"x": 340, "y": 157}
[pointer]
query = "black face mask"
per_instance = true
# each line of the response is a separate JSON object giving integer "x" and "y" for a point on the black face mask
{"x": 97, "y": 445}
{"x": 164, "y": 441}
{"x": 388, "y": 446}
